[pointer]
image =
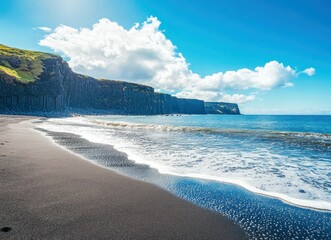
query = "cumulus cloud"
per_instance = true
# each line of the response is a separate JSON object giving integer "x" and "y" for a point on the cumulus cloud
{"x": 144, "y": 54}
{"x": 309, "y": 71}
{"x": 237, "y": 98}
{"x": 272, "y": 75}
{"x": 212, "y": 96}
{"x": 45, "y": 29}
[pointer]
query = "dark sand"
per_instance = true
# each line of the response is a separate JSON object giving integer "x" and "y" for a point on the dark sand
{"x": 48, "y": 193}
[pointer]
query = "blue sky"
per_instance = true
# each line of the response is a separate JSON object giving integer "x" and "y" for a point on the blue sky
{"x": 213, "y": 37}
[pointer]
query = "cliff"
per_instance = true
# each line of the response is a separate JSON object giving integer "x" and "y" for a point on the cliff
{"x": 34, "y": 81}
{"x": 30, "y": 81}
{"x": 221, "y": 108}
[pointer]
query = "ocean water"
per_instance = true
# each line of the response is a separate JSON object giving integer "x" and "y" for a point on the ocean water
{"x": 270, "y": 174}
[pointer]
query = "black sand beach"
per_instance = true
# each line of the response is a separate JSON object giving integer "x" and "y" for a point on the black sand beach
{"x": 49, "y": 193}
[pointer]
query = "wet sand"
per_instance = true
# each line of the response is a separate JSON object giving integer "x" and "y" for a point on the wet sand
{"x": 50, "y": 193}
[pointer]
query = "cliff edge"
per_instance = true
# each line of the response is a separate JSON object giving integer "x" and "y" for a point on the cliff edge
{"x": 221, "y": 108}
{"x": 33, "y": 81}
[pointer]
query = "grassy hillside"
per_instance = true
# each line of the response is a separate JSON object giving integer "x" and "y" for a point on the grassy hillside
{"x": 25, "y": 66}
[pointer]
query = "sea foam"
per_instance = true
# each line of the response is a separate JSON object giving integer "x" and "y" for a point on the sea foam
{"x": 291, "y": 166}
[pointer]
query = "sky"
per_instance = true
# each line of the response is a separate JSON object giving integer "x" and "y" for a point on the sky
{"x": 271, "y": 57}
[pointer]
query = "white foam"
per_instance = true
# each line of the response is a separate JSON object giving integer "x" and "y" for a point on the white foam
{"x": 203, "y": 161}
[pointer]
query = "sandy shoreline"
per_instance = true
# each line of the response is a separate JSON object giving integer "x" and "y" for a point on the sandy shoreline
{"x": 49, "y": 193}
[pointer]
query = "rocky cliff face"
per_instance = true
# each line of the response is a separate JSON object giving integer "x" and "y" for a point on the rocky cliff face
{"x": 33, "y": 81}
{"x": 44, "y": 94}
{"x": 221, "y": 108}
{"x": 124, "y": 97}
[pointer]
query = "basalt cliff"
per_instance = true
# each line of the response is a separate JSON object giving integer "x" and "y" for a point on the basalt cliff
{"x": 41, "y": 82}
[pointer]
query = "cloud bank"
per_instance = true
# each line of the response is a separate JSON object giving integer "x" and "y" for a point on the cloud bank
{"x": 145, "y": 55}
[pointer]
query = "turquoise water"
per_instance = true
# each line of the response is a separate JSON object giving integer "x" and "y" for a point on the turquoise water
{"x": 282, "y": 156}
{"x": 292, "y": 123}
{"x": 286, "y": 158}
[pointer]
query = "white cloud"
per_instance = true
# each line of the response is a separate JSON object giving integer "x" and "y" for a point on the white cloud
{"x": 143, "y": 54}
{"x": 272, "y": 75}
{"x": 200, "y": 94}
{"x": 212, "y": 96}
{"x": 45, "y": 29}
{"x": 309, "y": 71}
{"x": 237, "y": 98}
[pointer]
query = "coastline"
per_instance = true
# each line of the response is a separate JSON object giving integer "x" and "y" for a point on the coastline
{"x": 322, "y": 206}
{"x": 48, "y": 192}
{"x": 258, "y": 215}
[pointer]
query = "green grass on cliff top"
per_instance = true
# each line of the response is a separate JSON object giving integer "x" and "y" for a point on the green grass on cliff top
{"x": 26, "y": 66}
{"x": 29, "y": 63}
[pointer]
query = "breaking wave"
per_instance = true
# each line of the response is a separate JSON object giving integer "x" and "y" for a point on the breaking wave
{"x": 320, "y": 139}
{"x": 291, "y": 166}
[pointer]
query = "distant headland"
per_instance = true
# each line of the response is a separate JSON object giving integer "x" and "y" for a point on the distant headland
{"x": 33, "y": 81}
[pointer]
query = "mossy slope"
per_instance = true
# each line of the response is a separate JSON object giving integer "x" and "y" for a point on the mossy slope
{"x": 24, "y": 65}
